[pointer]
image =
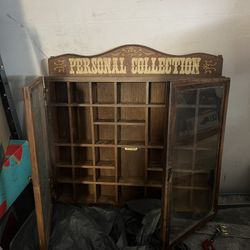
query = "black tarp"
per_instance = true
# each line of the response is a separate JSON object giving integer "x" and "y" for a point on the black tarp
{"x": 133, "y": 227}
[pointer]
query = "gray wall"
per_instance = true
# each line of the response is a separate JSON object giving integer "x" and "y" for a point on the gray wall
{"x": 31, "y": 31}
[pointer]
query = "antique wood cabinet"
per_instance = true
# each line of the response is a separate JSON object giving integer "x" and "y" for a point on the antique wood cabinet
{"x": 131, "y": 123}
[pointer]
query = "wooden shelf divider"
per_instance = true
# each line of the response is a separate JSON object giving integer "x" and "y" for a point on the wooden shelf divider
{"x": 93, "y": 139}
{"x": 71, "y": 140}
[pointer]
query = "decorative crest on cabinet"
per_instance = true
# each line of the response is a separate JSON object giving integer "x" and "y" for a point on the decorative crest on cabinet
{"x": 136, "y": 60}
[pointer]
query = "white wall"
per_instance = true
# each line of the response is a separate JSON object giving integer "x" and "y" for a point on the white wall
{"x": 34, "y": 30}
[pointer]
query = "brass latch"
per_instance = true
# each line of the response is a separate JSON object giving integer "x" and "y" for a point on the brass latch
{"x": 131, "y": 149}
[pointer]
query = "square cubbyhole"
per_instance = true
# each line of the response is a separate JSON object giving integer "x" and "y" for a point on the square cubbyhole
{"x": 64, "y": 175}
{"x": 64, "y": 192}
{"x": 105, "y": 175}
{"x": 131, "y": 92}
{"x": 59, "y": 123}
{"x": 84, "y": 193}
{"x": 105, "y": 156}
{"x": 83, "y": 175}
{"x": 131, "y": 115}
{"x": 154, "y": 193}
{"x": 58, "y": 92}
{"x": 83, "y": 156}
{"x": 155, "y": 159}
{"x": 63, "y": 155}
{"x": 131, "y": 135}
{"x": 158, "y": 92}
{"x": 131, "y": 164}
{"x": 105, "y": 134}
{"x": 127, "y": 193}
{"x": 155, "y": 178}
{"x": 79, "y": 92}
{"x": 81, "y": 125}
{"x": 156, "y": 126}
{"x": 103, "y": 92}
{"x": 103, "y": 115}
{"x": 106, "y": 194}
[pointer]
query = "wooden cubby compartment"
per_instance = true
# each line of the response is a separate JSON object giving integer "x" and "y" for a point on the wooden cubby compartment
{"x": 83, "y": 175}
{"x": 104, "y": 156}
{"x": 64, "y": 174}
{"x": 131, "y": 165}
{"x": 103, "y": 92}
{"x": 155, "y": 159}
{"x": 81, "y": 125}
{"x": 64, "y": 192}
{"x": 106, "y": 194}
{"x": 104, "y": 134}
{"x": 131, "y": 93}
{"x": 60, "y": 124}
{"x": 63, "y": 155}
{"x": 156, "y": 126}
{"x": 79, "y": 93}
{"x": 83, "y": 156}
{"x": 157, "y": 93}
{"x": 58, "y": 92}
{"x": 85, "y": 193}
{"x": 103, "y": 115}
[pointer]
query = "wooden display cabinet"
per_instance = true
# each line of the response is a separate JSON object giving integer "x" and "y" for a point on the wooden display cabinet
{"x": 98, "y": 138}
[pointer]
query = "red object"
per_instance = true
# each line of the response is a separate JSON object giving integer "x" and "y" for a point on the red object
{"x": 16, "y": 151}
{"x": 208, "y": 245}
{"x": 3, "y": 208}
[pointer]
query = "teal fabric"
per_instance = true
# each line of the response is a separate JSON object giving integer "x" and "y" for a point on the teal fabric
{"x": 14, "y": 174}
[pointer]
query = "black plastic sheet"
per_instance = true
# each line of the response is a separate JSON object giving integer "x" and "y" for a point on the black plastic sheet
{"x": 136, "y": 226}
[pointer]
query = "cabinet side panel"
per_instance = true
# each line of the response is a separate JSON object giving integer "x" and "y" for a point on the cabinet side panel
{"x": 37, "y": 136}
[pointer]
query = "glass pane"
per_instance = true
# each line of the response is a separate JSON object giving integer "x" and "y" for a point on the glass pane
{"x": 194, "y": 155}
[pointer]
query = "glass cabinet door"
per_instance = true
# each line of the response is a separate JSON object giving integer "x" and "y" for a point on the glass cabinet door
{"x": 196, "y": 124}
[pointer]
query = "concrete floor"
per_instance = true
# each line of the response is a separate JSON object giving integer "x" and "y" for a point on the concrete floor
{"x": 237, "y": 221}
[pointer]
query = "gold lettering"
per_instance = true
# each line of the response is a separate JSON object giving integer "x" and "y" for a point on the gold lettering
{"x": 134, "y": 65}
{"x": 182, "y": 59}
{"x": 94, "y": 65}
{"x": 188, "y": 66}
{"x": 140, "y": 65}
{"x": 162, "y": 65}
{"x": 196, "y": 65}
{"x": 86, "y": 63}
{"x": 100, "y": 66}
{"x": 176, "y": 62}
{"x": 107, "y": 65}
{"x": 154, "y": 68}
{"x": 79, "y": 68}
{"x": 123, "y": 69}
{"x": 168, "y": 66}
{"x": 147, "y": 68}
{"x": 72, "y": 64}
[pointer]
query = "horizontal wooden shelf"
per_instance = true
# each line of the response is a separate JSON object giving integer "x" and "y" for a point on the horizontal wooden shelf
{"x": 105, "y": 164}
{"x": 105, "y": 179}
{"x": 193, "y": 147}
{"x": 106, "y": 199}
{"x": 105, "y": 142}
{"x": 84, "y": 179}
{"x": 155, "y": 169}
{"x": 65, "y": 180}
{"x": 85, "y": 199}
{"x": 191, "y": 188}
{"x": 135, "y": 105}
{"x": 195, "y": 106}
